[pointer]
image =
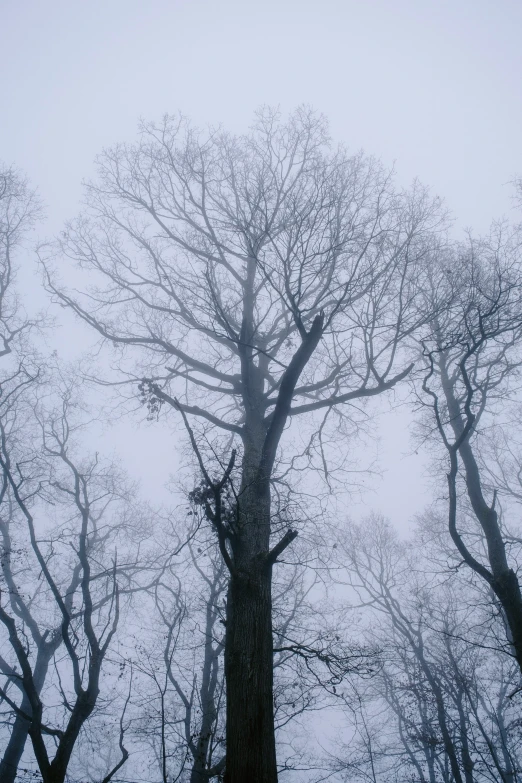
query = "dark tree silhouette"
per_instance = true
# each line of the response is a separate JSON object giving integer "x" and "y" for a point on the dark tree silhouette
{"x": 247, "y": 282}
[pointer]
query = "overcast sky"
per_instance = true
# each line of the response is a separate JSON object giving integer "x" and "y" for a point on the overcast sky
{"x": 435, "y": 86}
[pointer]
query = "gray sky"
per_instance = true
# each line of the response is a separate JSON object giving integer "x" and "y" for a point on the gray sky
{"x": 435, "y": 86}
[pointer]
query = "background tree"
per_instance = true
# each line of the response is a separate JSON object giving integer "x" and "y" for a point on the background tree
{"x": 20, "y": 208}
{"x": 62, "y": 521}
{"x": 20, "y": 371}
{"x": 472, "y": 358}
{"x": 189, "y": 713}
{"x": 442, "y": 698}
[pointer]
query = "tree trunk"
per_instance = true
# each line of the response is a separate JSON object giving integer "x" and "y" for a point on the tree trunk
{"x": 15, "y": 747}
{"x": 56, "y": 770}
{"x": 467, "y": 761}
{"x": 505, "y": 582}
{"x": 510, "y": 775}
{"x": 250, "y": 733}
{"x": 251, "y": 755}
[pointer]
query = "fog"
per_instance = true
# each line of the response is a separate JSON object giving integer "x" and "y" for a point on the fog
{"x": 434, "y": 87}
{"x": 431, "y": 89}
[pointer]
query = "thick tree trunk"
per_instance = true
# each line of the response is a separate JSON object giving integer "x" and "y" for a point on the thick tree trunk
{"x": 251, "y": 754}
{"x": 250, "y": 733}
{"x": 81, "y": 713}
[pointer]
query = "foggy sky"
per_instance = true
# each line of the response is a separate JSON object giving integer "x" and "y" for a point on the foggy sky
{"x": 433, "y": 86}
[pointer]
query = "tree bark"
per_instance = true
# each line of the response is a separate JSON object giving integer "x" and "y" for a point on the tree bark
{"x": 251, "y": 754}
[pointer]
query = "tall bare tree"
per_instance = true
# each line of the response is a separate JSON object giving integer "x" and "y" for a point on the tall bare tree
{"x": 248, "y": 282}
{"x": 472, "y": 356}
{"x": 19, "y": 373}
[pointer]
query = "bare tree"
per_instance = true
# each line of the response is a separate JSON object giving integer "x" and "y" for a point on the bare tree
{"x": 19, "y": 372}
{"x": 248, "y": 281}
{"x": 65, "y": 516}
{"x": 472, "y": 357}
{"x": 19, "y": 209}
{"x": 376, "y": 561}
{"x": 445, "y": 687}
{"x": 200, "y": 693}
{"x": 45, "y": 644}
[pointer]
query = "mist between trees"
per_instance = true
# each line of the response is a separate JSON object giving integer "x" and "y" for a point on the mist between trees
{"x": 255, "y": 294}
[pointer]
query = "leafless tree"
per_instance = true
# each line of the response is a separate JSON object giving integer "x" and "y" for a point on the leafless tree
{"x": 472, "y": 358}
{"x": 179, "y": 653}
{"x": 248, "y": 281}
{"x": 19, "y": 209}
{"x": 200, "y": 693}
{"x": 447, "y": 690}
{"x": 19, "y": 372}
{"x": 61, "y": 519}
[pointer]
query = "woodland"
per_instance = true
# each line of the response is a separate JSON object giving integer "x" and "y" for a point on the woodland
{"x": 269, "y": 299}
